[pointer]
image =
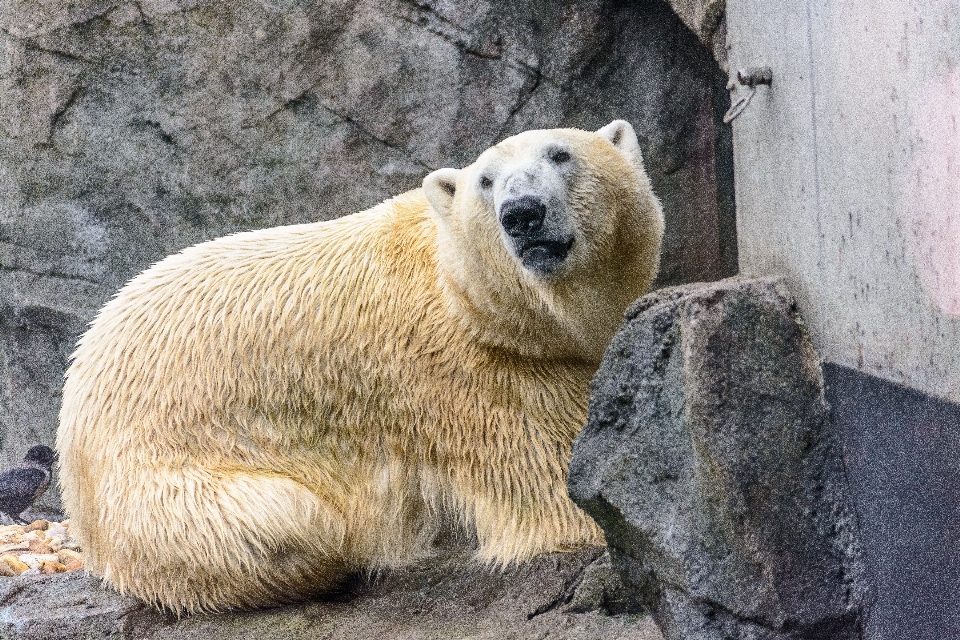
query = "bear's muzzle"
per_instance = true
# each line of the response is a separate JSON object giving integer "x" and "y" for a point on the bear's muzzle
{"x": 532, "y": 237}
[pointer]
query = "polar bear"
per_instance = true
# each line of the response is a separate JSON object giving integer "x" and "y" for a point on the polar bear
{"x": 249, "y": 420}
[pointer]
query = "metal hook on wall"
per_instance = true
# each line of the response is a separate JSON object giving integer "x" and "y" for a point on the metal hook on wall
{"x": 751, "y": 77}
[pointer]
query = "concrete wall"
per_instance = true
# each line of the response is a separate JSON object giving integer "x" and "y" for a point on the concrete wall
{"x": 847, "y": 172}
{"x": 848, "y": 176}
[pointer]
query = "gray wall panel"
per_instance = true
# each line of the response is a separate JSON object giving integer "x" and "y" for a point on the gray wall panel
{"x": 848, "y": 177}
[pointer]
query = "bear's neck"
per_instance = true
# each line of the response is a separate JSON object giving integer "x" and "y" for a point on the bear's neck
{"x": 572, "y": 323}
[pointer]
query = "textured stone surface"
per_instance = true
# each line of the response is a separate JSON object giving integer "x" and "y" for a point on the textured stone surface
{"x": 708, "y": 20}
{"x": 438, "y": 599}
{"x": 131, "y": 129}
{"x": 710, "y": 463}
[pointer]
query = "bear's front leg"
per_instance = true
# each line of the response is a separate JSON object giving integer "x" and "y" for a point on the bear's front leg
{"x": 520, "y": 507}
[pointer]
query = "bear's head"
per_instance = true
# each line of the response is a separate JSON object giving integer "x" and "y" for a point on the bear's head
{"x": 547, "y": 237}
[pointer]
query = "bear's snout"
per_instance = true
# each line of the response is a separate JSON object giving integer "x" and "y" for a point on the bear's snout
{"x": 522, "y": 216}
{"x": 536, "y": 238}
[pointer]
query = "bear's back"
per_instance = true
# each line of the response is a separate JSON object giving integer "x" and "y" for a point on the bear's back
{"x": 246, "y": 326}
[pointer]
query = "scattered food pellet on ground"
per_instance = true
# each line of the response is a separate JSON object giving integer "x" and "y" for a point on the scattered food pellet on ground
{"x": 38, "y": 547}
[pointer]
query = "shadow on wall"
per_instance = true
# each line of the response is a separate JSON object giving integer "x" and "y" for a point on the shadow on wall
{"x": 132, "y": 131}
{"x": 899, "y": 448}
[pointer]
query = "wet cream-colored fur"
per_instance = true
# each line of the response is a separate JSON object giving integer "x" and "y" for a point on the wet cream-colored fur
{"x": 254, "y": 417}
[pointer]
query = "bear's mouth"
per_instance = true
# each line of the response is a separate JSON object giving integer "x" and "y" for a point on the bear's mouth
{"x": 544, "y": 256}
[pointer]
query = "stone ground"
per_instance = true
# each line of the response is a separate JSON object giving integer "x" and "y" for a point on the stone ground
{"x": 441, "y": 598}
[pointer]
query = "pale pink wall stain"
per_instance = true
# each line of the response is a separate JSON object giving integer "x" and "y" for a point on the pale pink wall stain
{"x": 885, "y": 66}
{"x": 935, "y": 223}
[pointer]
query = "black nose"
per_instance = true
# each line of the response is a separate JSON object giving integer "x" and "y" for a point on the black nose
{"x": 522, "y": 216}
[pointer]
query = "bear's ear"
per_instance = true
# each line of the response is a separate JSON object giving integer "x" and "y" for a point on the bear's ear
{"x": 440, "y": 187}
{"x": 621, "y": 135}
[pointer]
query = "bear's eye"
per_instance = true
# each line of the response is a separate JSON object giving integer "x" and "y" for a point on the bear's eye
{"x": 559, "y": 156}
{"x": 486, "y": 182}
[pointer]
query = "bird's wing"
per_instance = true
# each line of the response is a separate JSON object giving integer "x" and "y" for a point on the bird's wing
{"x": 18, "y": 488}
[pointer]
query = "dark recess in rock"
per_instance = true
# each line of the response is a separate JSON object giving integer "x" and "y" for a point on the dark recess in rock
{"x": 37, "y": 343}
{"x": 711, "y": 464}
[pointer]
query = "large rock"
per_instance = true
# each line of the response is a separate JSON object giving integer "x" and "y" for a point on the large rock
{"x": 710, "y": 463}
{"x": 441, "y": 598}
{"x": 131, "y": 129}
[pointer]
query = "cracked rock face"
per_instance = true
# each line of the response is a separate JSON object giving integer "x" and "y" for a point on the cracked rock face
{"x": 710, "y": 463}
{"x": 131, "y": 129}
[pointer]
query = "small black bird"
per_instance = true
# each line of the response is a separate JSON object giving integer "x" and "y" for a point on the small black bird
{"x": 26, "y": 482}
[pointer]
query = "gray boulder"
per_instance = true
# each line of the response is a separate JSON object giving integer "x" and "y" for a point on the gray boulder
{"x": 710, "y": 463}
{"x": 131, "y": 129}
{"x": 443, "y": 598}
